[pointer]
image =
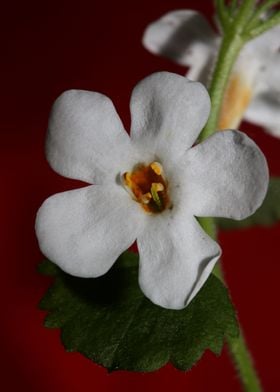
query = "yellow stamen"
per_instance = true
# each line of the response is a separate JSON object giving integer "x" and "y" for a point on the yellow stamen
{"x": 127, "y": 179}
{"x": 157, "y": 168}
{"x": 146, "y": 198}
{"x": 158, "y": 186}
{"x": 147, "y": 185}
{"x": 155, "y": 188}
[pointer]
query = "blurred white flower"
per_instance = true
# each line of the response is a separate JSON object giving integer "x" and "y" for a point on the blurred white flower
{"x": 149, "y": 186}
{"x": 186, "y": 37}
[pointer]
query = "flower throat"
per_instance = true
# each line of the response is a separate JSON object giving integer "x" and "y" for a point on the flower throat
{"x": 147, "y": 186}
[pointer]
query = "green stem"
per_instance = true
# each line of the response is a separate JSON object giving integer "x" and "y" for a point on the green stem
{"x": 241, "y": 355}
{"x": 267, "y": 25}
{"x": 231, "y": 45}
{"x": 261, "y": 10}
{"x": 237, "y": 346}
{"x": 244, "y": 364}
{"x": 223, "y": 12}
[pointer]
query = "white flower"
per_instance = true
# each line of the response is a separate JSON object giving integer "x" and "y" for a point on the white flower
{"x": 149, "y": 186}
{"x": 254, "y": 90}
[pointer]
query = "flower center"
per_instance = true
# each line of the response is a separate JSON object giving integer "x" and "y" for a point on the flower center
{"x": 147, "y": 186}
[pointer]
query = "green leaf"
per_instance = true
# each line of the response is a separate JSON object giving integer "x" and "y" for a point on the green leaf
{"x": 267, "y": 215}
{"x": 110, "y": 321}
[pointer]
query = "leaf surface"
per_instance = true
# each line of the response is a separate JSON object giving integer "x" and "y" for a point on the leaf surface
{"x": 109, "y": 320}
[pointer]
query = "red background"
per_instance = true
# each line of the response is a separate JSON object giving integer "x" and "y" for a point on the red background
{"x": 50, "y": 46}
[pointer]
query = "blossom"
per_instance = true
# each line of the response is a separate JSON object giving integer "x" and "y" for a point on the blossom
{"x": 148, "y": 186}
{"x": 253, "y": 93}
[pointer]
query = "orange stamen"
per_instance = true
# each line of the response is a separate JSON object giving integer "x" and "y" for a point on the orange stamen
{"x": 148, "y": 187}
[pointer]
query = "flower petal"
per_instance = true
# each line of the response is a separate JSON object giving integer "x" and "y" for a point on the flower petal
{"x": 259, "y": 61}
{"x": 176, "y": 258}
{"x": 264, "y": 110}
{"x": 263, "y": 48}
{"x": 85, "y": 230}
{"x": 168, "y": 112}
{"x": 185, "y": 37}
{"x": 86, "y": 139}
{"x": 270, "y": 77}
{"x": 225, "y": 176}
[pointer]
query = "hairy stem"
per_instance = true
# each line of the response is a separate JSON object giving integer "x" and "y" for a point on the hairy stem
{"x": 231, "y": 45}
{"x": 237, "y": 346}
{"x": 241, "y": 355}
{"x": 244, "y": 364}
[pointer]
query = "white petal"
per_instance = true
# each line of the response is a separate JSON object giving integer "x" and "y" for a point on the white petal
{"x": 265, "y": 47}
{"x": 85, "y": 230}
{"x": 259, "y": 61}
{"x": 86, "y": 139}
{"x": 185, "y": 37}
{"x": 176, "y": 258}
{"x": 225, "y": 176}
{"x": 264, "y": 110}
{"x": 168, "y": 112}
{"x": 270, "y": 75}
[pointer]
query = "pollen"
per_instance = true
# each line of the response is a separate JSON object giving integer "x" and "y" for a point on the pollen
{"x": 148, "y": 186}
{"x": 145, "y": 199}
{"x": 157, "y": 168}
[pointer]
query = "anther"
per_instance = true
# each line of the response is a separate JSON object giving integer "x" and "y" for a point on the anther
{"x": 146, "y": 198}
{"x": 147, "y": 186}
{"x": 157, "y": 168}
{"x": 158, "y": 186}
{"x": 127, "y": 178}
{"x": 155, "y": 188}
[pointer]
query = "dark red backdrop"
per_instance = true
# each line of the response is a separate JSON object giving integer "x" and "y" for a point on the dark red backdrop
{"x": 51, "y": 46}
